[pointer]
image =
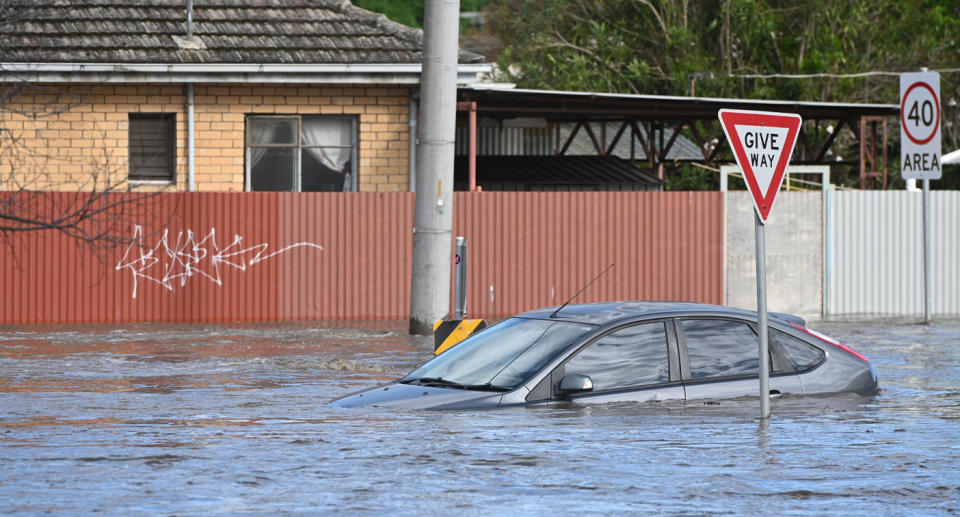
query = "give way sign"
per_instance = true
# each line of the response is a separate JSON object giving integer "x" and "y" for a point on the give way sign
{"x": 762, "y": 143}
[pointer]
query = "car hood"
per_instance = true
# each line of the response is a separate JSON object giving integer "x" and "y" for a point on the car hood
{"x": 407, "y": 396}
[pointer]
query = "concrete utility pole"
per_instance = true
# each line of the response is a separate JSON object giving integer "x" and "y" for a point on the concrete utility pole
{"x": 433, "y": 217}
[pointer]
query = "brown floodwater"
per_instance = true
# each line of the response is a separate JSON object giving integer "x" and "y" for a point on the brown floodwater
{"x": 229, "y": 419}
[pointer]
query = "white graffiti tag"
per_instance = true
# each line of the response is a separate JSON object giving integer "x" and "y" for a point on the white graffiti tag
{"x": 169, "y": 263}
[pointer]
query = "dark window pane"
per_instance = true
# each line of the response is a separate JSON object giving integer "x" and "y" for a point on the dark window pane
{"x": 152, "y": 146}
{"x": 720, "y": 348}
{"x": 803, "y": 355}
{"x": 318, "y": 177}
{"x": 633, "y": 356}
{"x": 272, "y": 168}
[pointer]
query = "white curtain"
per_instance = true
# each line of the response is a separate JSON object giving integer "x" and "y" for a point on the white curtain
{"x": 334, "y": 135}
{"x": 261, "y": 133}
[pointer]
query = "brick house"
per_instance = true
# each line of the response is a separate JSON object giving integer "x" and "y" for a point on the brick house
{"x": 236, "y": 95}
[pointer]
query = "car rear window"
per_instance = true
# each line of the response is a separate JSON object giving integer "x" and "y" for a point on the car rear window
{"x": 721, "y": 348}
{"x": 803, "y": 355}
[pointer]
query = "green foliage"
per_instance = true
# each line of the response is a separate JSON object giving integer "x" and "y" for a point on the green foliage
{"x": 410, "y": 12}
{"x": 407, "y": 12}
{"x": 689, "y": 177}
{"x": 653, "y": 46}
{"x": 717, "y": 48}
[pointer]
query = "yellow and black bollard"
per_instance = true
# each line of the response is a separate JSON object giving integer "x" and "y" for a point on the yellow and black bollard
{"x": 447, "y": 333}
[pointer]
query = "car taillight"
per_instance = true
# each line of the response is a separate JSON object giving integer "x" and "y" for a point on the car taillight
{"x": 829, "y": 340}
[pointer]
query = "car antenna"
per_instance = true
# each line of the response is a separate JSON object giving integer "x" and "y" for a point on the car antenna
{"x": 554, "y": 315}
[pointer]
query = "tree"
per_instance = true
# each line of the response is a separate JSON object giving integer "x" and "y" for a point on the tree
{"x": 94, "y": 212}
{"x": 410, "y": 12}
{"x": 91, "y": 209}
{"x": 832, "y": 50}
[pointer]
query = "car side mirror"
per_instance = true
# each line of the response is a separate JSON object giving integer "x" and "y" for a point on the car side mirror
{"x": 576, "y": 383}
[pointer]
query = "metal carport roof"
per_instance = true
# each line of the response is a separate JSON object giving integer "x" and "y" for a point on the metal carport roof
{"x": 659, "y": 120}
{"x": 574, "y": 105}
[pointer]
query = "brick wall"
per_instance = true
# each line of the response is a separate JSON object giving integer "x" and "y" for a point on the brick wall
{"x": 62, "y": 137}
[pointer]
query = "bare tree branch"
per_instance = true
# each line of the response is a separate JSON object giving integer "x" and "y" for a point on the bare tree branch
{"x": 92, "y": 208}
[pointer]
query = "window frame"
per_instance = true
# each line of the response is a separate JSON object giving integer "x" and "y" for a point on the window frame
{"x": 298, "y": 146}
{"x": 170, "y": 118}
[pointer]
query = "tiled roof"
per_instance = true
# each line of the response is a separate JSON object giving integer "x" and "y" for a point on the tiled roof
{"x": 226, "y": 31}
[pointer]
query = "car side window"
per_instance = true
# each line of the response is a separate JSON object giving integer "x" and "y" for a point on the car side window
{"x": 803, "y": 355}
{"x": 721, "y": 348}
{"x": 629, "y": 357}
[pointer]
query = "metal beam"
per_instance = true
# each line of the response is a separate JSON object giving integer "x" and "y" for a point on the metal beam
{"x": 829, "y": 143}
{"x": 593, "y": 138}
{"x": 873, "y": 157}
{"x": 573, "y": 134}
{"x": 616, "y": 139}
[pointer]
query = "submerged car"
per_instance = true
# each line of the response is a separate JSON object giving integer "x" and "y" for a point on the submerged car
{"x": 625, "y": 351}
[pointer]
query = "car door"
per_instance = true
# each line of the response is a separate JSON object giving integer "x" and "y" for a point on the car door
{"x": 636, "y": 362}
{"x": 719, "y": 359}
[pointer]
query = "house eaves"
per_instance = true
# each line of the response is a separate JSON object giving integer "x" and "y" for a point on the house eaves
{"x": 373, "y": 73}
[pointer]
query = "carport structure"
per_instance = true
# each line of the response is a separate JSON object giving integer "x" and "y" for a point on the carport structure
{"x": 656, "y": 121}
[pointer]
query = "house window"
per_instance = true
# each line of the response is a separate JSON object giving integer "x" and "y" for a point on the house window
{"x": 301, "y": 153}
{"x": 152, "y": 146}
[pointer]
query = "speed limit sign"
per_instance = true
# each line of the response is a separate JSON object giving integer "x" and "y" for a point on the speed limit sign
{"x": 920, "y": 125}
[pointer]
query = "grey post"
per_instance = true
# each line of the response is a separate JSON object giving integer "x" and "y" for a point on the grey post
{"x": 460, "y": 285}
{"x": 926, "y": 252}
{"x": 762, "y": 319}
{"x": 433, "y": 208}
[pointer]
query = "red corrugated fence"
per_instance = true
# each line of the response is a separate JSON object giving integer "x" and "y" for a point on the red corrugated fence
{"x": 193, "y": 257}
{"x": 536, "y": 249}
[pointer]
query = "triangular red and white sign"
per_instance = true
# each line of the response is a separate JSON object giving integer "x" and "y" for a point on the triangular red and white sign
{"x": 762, "y": 143}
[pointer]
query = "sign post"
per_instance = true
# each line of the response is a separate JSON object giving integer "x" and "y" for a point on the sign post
{"x": 762, "y": 143}
{"x": 920, "y": 150}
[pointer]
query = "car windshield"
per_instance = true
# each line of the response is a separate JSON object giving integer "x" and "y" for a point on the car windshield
{"x": 501, "y": 356}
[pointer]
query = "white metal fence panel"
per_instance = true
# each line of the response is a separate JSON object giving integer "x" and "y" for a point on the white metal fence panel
{"x": 875, "y": 253}
{"x": 794, "y": 258}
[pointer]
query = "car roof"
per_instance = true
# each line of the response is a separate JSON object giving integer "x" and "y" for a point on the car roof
{"x": 601, "y": 313}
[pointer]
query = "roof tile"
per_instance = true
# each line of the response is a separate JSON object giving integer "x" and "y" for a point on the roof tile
{"x": 233, "y": 31}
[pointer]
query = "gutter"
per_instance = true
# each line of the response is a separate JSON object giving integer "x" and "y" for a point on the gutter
{"x": 228, "y": 72}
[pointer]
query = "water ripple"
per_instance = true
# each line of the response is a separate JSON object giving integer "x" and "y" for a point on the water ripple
{"x": 168, "y": 419}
